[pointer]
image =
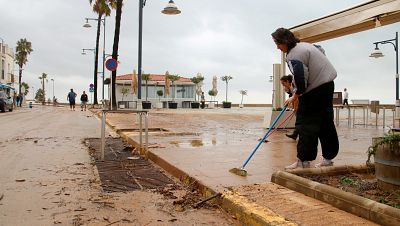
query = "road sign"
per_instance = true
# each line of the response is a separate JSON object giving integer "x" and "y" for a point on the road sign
{"x": 111, "y": 64}
{"x": 91, "y": 85}
{"x": 91, "y": 89}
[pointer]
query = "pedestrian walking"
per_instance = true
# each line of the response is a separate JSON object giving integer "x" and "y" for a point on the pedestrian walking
{"x": 287, "y": 83}
{"x": 345, "y": 98}
{"x": 21, "y": 98}
{"x": 84, "y": 100}
{"x": 313, "y": 77}
{"x": 71, "y": 98}
{"x": 202, "y": 100}
{"x": 17, "y": 100}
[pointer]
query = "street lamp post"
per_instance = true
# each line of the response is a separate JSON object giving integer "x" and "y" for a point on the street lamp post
{"x": 87, "y": 25}
{"x": 94, "y": 51}
{"x": 377, "y": 53}
{"x": 170, "y": 9}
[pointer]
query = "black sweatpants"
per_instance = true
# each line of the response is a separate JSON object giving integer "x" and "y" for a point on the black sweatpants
{"x": 315, "y": 121}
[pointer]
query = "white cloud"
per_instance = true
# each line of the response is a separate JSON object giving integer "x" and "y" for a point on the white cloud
{"x": 225, "y": 37}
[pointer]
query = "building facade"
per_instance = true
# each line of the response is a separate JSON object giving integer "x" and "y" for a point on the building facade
{"x": 182, "y": 91}
{"x": 7, "y": 66}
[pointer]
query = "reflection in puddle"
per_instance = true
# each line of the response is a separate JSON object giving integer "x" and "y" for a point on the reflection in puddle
{"x": 195, "y": 143}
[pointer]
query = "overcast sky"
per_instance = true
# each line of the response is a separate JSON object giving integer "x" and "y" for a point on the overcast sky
{"x": 213, "y": 37}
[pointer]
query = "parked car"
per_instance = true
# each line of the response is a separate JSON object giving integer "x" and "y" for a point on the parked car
{"x": 6, "y": 102}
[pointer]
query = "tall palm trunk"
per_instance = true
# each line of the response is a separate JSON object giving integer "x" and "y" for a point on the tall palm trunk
{"x": 20, "y": 78}
{"x": 115, "y": 51}
{"x": 226, "y": 94}
{"x": 44, "y": 93}
{"x": 96, "y": 58}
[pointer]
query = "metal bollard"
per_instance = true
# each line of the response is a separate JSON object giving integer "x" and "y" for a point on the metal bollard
{"x": 146, "y": 133}
{"x": 103, "y": 131}
{"x": 384, "y": 117}
{"x": 140, "y": 134}
{"x": 348, "y": 117}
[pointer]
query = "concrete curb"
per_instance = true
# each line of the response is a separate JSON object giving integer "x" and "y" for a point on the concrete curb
{"x": 250, "y": 213}
{"x": 366, "y": 208}
{"x": 244, "y": 210}
{"x": 332, "y": 170}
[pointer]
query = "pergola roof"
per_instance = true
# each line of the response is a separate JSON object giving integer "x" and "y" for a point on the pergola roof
{"x": 352, "y": 20}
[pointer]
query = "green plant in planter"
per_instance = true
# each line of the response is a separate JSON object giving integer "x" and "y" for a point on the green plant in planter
{"x": 173, "y": 78}
{"x": 197, "y": 81}
{"x": 243, "y": 93}
{"x": 124, "y": 92}
{"x": 391, "y": 139}
{"x": 160, "y": 93}
{"x": 226, "y": 79}
{"x": 146, "y": 78}
{"x": 212, "y": 94}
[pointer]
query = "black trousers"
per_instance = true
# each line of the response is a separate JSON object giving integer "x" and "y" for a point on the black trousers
{"x": 315, "y": 121}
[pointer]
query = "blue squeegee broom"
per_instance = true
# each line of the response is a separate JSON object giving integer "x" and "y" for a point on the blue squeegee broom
{"x": 241, "y": 171}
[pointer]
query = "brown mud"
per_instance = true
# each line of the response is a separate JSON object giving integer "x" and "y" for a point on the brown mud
{"x": 364, "y": 185}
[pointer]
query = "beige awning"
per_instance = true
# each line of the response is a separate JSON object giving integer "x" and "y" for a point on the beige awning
{"x": 355, "y": 19}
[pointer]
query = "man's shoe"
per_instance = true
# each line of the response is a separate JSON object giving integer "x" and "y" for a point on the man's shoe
{"x": 294, "y": 137}
{"x": 324, "y": 163}
{"x": 298, "y": 164}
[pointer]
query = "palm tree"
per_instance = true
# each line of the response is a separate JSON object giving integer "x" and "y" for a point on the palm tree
{"x": 146, "y": 78}
{"x": 197, "y": 80}
{"x": 42, "y": 78}
{"x": 118, "y": 14}
{"x": 23, "y": 49}
{"x": 26, "y": 86}
{"x": 173, "y": 78}
{"x": 226, "y": 79}
{"x": 243, "y": 93}
{"x": 101, "y": 7}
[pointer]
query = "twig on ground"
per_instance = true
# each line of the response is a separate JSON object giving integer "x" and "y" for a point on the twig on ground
{"x": 207, "y": 199}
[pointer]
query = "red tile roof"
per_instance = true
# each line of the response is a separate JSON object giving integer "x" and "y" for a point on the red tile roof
{"x": 153, "y": 77}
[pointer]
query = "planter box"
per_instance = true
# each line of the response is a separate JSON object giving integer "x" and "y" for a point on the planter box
{"x": 172, "y": 105}
{"x": 226, "y": 104}
{"x": 146, "y": 105}
{"x": 195, "y": 105}
{"x": 159, "y": 105}
{"x": 357, "y": 205}
{"x": 387, "y": 166}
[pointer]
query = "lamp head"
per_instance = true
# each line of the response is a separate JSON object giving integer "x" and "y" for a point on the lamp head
{"x": 87, "y": 25}
{"x": 171, "y": 9}
{"x": 376, "y": 53}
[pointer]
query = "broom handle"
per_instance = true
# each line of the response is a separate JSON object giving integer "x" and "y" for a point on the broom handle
{"x": 276, "y": 128}
{"x": 265, "y": 135}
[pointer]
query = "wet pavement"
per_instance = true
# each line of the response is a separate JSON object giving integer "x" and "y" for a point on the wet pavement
{"x": 48, "y": 178}
{"x": 206, "y": 144}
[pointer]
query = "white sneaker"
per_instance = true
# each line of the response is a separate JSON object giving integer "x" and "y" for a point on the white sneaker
{"x": 298, "y": 164}
{"x": 324, "y": 163}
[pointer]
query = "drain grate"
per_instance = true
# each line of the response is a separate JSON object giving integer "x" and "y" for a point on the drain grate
{"x": 118, "y": 173}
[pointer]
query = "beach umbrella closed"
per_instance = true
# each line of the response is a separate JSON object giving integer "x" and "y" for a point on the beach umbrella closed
{"x": 166, "y": 84}
{"x": 134, "y": 84}
{"x": 214, "y": 85}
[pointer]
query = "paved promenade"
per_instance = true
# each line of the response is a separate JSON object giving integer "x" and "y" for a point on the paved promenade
{"x": 206, "y": 144}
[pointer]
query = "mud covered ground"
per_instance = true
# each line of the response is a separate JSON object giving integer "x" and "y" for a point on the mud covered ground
{"x": 47, "y": 177}
{"x": 123, "y": 170}
{"x": 364, "y": 185}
